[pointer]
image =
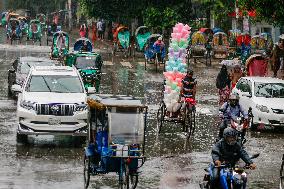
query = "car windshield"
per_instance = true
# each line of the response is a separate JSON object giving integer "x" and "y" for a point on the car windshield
{"x": 84, "y": 62}
{"x": 26, "y": 66}
{"x": 269, "y": 90}
{"x": 55, "y": 83}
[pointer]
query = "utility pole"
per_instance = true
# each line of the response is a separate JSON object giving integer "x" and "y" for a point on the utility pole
{"x": 70, "y": 14}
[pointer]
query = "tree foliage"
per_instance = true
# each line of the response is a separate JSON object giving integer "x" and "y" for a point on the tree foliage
{"x": 36, "y": 6}
{"x": 271, "y": 11}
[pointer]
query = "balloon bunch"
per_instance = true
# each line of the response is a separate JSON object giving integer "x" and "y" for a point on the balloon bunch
{"x": 176, "y": 66}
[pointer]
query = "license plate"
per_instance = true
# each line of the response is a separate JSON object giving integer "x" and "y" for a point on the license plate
{"x": 54, "y": 121}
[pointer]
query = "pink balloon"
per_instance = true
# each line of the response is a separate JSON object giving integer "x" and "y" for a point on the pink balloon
{"x": 175, "y": 30}
{"x": 174, "y": 35}
{"x": 187, "y": 27}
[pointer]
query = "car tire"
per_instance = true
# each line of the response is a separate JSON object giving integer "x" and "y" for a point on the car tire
{"x": 22, "y": 138}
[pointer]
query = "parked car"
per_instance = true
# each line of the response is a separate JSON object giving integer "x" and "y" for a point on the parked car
{"x": 52, "y": 101}
{"x": 20, "y": 69}
{"x": 263, "y": 97}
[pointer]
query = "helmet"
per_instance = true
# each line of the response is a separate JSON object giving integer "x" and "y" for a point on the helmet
{"x": 160, "y": 38}
{"x": 234, "y": 97}
{"x": 233, "y": 100}
{"x": 230, "y": 136}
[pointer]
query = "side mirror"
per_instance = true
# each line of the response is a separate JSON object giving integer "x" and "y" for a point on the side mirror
{"x": 91, "y": 90}
{"x": 16, "y": 88}
{"x": 247, "y": 94}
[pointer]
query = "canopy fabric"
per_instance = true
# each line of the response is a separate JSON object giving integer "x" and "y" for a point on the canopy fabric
{"x": 124, "y": 38}
{"x": 256, "y": 66}
{"x": 80, "y": 42}
{"x": 142, "y": 39}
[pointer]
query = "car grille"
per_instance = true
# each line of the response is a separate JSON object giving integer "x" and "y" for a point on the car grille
{"x": 278, "y": 111}
{"x": 55, "y": 109}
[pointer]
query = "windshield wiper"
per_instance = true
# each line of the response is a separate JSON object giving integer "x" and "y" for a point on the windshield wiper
{"x": 46, "y": 83}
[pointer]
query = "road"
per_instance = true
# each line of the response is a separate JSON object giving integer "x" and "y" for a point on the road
{"x": 173, "y": 161}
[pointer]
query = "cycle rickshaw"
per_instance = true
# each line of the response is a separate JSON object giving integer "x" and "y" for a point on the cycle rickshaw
{"x": 151, "y": 52}
{"x": 142, "y": 33}
{"x": 116, "y": 138}
{"x": 185, "y": 115}
{"x": 51, "y": 29}
{"x": 14, "y": 31}
{"x": 198, "y": 49}
{"x": 220, "y": 45}
{"x": 4, "y": 16}
{"x": 60, "y": 45}
{"x": 121, "y": 41}
{"x": 34, "y": 32}
{"x": 42, "y": 18}
{"x": 24, "y": 25}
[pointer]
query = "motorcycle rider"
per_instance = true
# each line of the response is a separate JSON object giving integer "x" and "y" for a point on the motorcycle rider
{"x": 230, "y": 110}
{"x": 228, "y": 151}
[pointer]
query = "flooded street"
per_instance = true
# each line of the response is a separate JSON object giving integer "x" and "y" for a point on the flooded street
{"x": 172, "y": 160}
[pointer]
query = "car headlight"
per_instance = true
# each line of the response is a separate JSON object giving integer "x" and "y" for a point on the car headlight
{"x": 262, "y": 108}
{"x": 81, "y": 107}
{"x": 28, "y": 105}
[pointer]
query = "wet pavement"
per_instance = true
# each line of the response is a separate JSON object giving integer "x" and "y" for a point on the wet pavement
{"x": 172, "y": 160}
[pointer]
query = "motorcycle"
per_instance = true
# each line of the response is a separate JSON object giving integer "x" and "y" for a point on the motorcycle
{"x": 240, "y": 125}
{"x": 231, "y": 177}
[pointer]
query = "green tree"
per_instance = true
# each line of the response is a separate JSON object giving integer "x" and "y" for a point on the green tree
{"x": 36, "y": 6}
{"x": 271, "y": 11}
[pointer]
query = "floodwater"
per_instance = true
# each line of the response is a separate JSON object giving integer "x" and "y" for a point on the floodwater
{"x": 173, "y": 161}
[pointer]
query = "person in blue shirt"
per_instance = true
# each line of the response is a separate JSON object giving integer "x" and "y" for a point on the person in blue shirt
{"x": 231, "y": 110}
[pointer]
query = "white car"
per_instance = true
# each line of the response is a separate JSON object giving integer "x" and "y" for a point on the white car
{"x": 265, "y": 97}
{"x": 52, "y": 101}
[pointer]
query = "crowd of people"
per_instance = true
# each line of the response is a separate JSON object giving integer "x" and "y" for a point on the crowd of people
{"x": 95, "y": 31}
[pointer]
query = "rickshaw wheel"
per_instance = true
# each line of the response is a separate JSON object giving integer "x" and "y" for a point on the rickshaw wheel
{"x": 191, "y": 121}
{"x": 156, "y": 63}
{"x": 282, "y": 174}
{"x": 132, "y": 181}
{"x": 184, "y": 120}
{"x": 87, "y": 168}
{"x": 160, "y": 117}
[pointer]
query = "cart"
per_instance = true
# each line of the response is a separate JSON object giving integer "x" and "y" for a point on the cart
{"x": 220, "y": 45}
{"x": 185, "y": 115}
{"x": 200, "y": 47}
{"x": 121, "y": 41}
{"x": 116, "y": 138}
{"x": 151, "y": 52}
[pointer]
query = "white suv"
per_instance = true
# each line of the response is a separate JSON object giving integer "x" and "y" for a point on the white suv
{"x": 52, "y": 101}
